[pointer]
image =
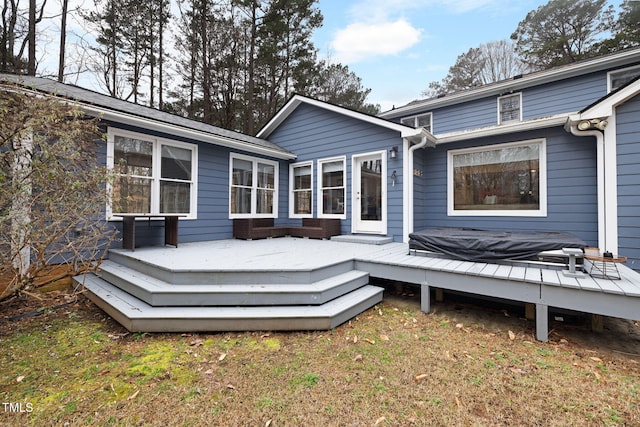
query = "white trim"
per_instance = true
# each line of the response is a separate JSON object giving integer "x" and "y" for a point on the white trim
{"x": 292, "y": 166}
{"x": 610, "y": 187}
{"x": 355, "y": 181}
{"x": 541, "y": 212}
{"x": 407, "y": 191}
{"x": 606, "y": 106}
{"x": 507, "y": 128}
{"x": 156, "y": 178}
{"x": 296, "y": 100}
{"x": 319, "y": 199}
{"x": 146, "y": 123}
{"x": 519, "y": 119}
{"x": 254, "y": 186}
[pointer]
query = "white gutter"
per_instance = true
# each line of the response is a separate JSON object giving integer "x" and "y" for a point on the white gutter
{"x": 133, "y": 120}
{"x": 407, "y": 189}
{"x": 544, "y": 122}
{"x": 604, "y": 132}
{"x": 198, "y": 135}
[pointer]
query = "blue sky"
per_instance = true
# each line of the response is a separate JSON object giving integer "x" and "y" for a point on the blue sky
{"x": 398, "y": 47}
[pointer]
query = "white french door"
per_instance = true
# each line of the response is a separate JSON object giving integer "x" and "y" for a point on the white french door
{"x": 369, "y": 195}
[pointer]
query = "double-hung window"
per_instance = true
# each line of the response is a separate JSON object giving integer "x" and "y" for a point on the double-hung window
{"x": 152, "y": 175}
{"x": 331, "y": 188}
{"x": 253, "y": 187}
{"x": 504, "y": 180}
{"x": 301, "y": 190}
{"x": 510, "y": 108}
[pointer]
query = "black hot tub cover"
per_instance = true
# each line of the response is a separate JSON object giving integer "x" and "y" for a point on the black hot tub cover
{"x": 472, "y": 244}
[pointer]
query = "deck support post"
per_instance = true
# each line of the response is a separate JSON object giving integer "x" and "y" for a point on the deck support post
{"x": 542, "y": 322}
{"x": 425, "y": 298}
{"x": 529, "y": 311}
{"x": 597, "y": 324}
{"x": 439, "y": 295}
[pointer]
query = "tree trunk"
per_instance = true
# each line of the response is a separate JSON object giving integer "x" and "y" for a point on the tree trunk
{"x": 31, "y": 67}
{"x": 21, "y": 206}
{"x": 63, "y": 38}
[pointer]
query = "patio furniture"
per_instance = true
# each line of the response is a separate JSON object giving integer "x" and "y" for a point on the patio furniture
{"x": 262, "y": 228}
{"x": 605, "y": 267}
{"x": 471, "y": 244}
{"x": 129, "y": 228}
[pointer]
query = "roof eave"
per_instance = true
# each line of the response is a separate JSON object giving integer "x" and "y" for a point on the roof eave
{"x": 516, "y": 84}
{"x": 130, "y": 119}
{"x": 545, "y": 122}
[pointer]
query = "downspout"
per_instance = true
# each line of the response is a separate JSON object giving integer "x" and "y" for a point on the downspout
{"x": 606, "y": 241}
{"x": 408, "y": 189}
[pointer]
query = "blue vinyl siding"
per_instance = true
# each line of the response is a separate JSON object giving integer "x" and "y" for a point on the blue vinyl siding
{"x": 628, "y": 159}
{"x": 571, "y": 187}
{"x": 315, "y": 133}
{"x": 564, "y": 96}
{"x": 212, "y": 221}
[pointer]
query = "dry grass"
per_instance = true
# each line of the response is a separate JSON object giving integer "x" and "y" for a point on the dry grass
{"x": 391, "y": 366}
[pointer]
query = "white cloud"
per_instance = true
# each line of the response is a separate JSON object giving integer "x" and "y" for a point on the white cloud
{"x": 359, "y": 41}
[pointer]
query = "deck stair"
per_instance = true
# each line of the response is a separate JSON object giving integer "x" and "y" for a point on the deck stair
{"x": 151, "y": 298}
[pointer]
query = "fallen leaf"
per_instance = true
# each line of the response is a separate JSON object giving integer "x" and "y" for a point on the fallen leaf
{"x": 267, "y": 424}
{"x": 459, "y": 325}
{"x": 380, "y": 420}
{"x": 355, "y": 339}
{"x": 357, "y": 358}
{"x": 209, "y": 371}
{"x": 420, "y": 377}
{"x": 222, "y": 357}
{"x": 384, "y": 337}
{"x": 196, "y": 343}
{"x": 369, "y": 341}
{"x": 133, "y": 396}
{"x": 596, "y": 359}
{"x": 265, "y": 335}
{"x": 230, "y": 387}
{"x": 512, "y": 336}
{"x": 458, "y": 404}
{"x": 20, "y": 378}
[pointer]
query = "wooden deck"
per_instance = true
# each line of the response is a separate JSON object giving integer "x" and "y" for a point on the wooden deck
{"x": 290, "y": 267}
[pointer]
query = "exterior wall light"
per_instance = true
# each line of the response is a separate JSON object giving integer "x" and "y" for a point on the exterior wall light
{"x": 393, "y": 152}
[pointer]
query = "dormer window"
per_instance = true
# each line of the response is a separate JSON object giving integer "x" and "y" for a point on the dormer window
{"x": 419, "y": 121}
{"x": 510, "y": 108}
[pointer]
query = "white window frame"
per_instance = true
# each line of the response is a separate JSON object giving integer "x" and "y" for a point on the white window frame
{"x": 254, "y": 186}
{"x": 542, "y": 164}
{"x": 156, "y": 177}
{"x": 414, "y": 121}
{"x": 292, "y": 190}
{"x": 319, "y": 198}
{"x": 611, "y": 75}
{"x": 519, "y": 119}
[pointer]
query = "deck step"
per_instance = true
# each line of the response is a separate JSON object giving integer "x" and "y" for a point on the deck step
{"x": 156, "y": 292}
{"x": 246, "y": 275}
{"x": 138, "y": 316}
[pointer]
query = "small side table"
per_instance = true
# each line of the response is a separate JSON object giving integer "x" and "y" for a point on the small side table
{"x": 605, "y": 267}
{"x": 129, "y": 228}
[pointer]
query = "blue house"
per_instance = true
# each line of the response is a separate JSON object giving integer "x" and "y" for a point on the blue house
{"x": 556, "y": 150}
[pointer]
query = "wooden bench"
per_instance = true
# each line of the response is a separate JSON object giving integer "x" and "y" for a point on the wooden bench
{"x": 262, "y": 228}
